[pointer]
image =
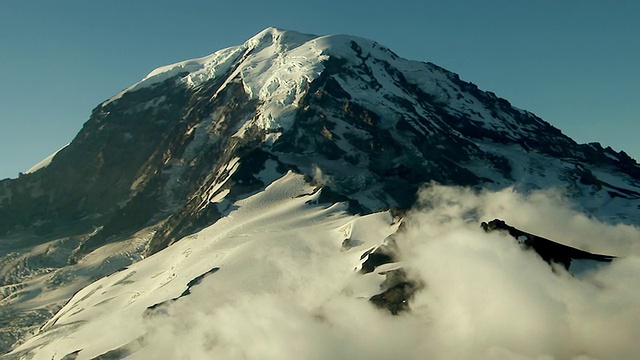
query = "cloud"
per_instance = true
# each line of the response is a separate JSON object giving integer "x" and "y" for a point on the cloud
{"x": 489, "y": 299}
{"x": 547, "y": 213}
{"x": 319, "y": 177}
{"x": 484, "y": 297}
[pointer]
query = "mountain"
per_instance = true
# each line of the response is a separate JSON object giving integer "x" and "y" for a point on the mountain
{"x": 550, "y": 251}
{"x": 301, "y": 148}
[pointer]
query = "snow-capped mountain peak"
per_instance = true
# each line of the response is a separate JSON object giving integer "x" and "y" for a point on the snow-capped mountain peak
{"x": 275, "y": 68}
{"x": 292, "y": 145}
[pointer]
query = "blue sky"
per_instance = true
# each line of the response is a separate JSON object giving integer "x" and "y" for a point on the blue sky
{"x": 572, "y": 62}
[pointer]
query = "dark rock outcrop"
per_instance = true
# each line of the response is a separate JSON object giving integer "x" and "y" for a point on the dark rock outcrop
{"x": 551, "y": 251}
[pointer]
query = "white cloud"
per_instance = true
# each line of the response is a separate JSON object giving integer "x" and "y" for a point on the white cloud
{"x": 484, "y": 297}
{"x": 319, "y": 177}
{"x": 489, "y": 299}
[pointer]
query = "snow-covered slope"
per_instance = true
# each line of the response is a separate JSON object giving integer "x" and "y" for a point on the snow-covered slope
{"x": 274, "y": 243}
{"x": 196, "y": 145}
{"x": 275, "y": 68}
{"x": 282, "y": 276}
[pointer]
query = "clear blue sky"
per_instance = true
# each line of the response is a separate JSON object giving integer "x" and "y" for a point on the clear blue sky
{"x": 575, "y": 63}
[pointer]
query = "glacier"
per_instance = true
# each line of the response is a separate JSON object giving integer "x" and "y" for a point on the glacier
{"x": 303, "y": 196}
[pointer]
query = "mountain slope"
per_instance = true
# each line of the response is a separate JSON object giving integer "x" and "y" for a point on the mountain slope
{"x": 178, "y": 151}
{"x": 249, "y": 248}
{"x": 347, "y": 101}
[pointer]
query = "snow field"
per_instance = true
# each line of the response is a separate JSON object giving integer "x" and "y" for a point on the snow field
{"x": 277, "y": 243}
{"x": 286, "y": 288}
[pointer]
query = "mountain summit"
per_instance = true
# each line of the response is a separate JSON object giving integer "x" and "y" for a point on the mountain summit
{"x": 284, "y": 131}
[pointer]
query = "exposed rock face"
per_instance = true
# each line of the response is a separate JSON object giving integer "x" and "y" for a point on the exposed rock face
{"x": 551, "y": 251}
{"x": 378, "y": 126}
{"x": 169, "y": 155}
